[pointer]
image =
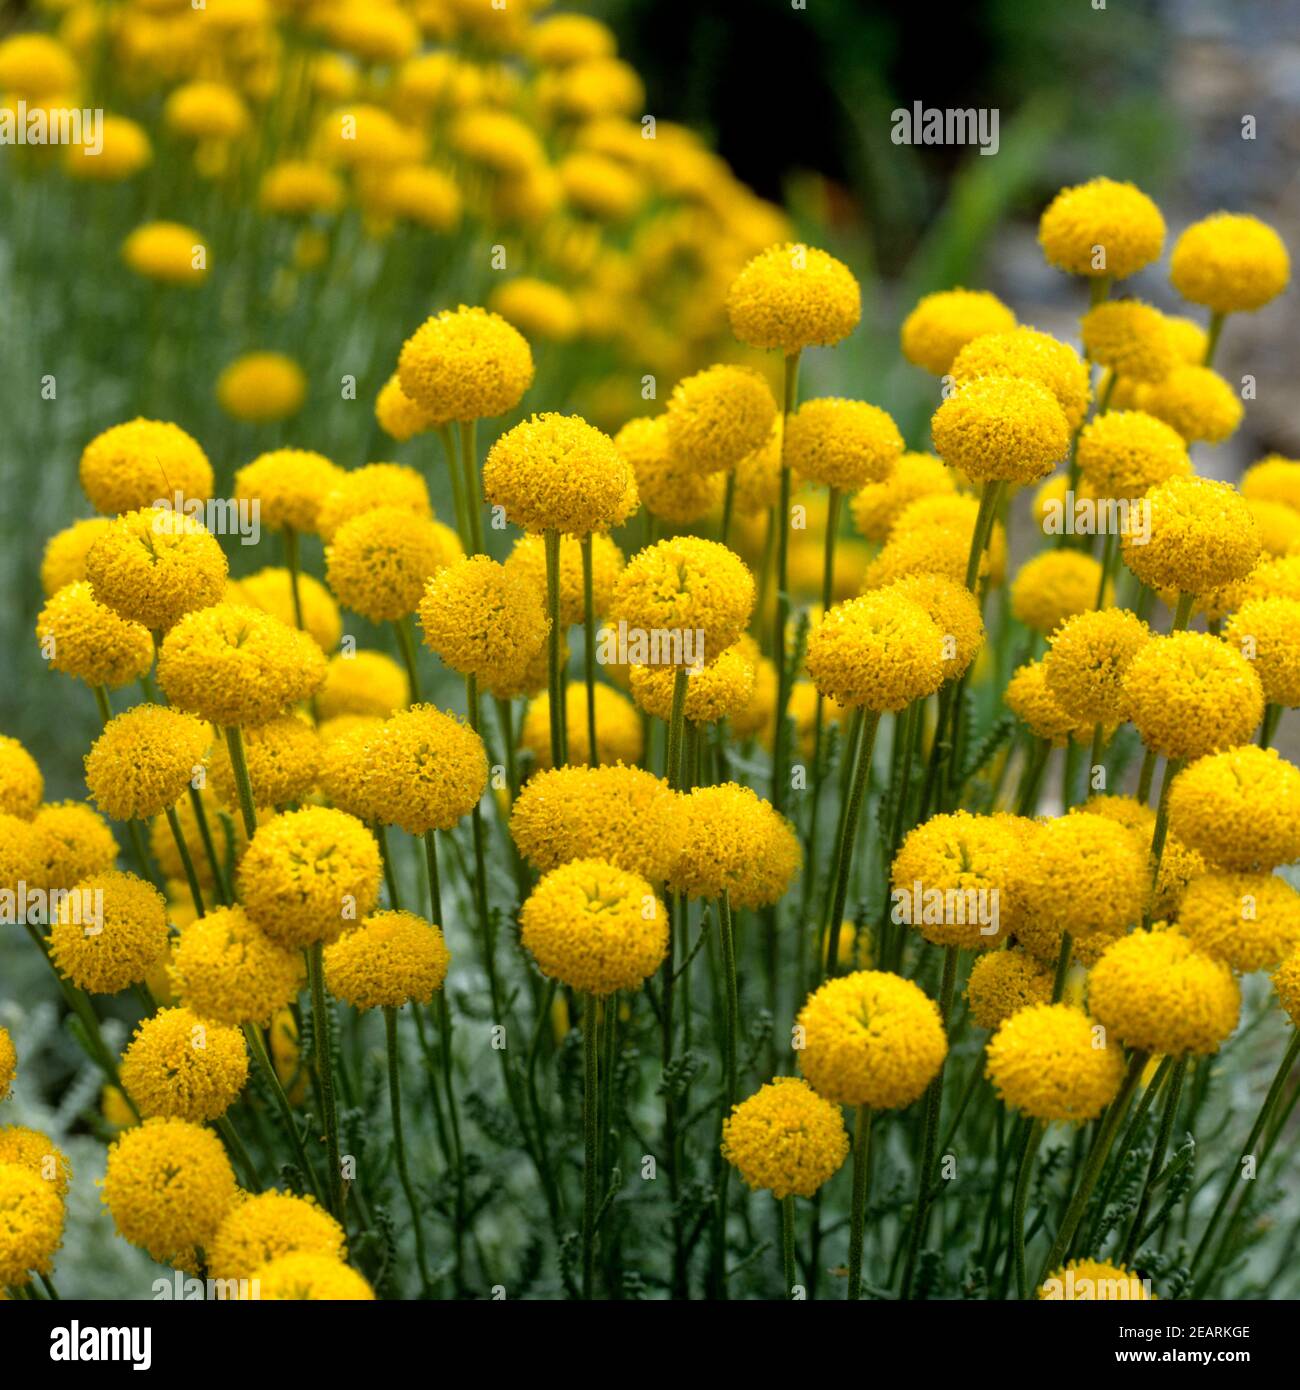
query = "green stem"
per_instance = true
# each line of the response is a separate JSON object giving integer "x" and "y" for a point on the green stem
{"x": 325, "y": 1073}
{"x": 858, "y": 1210}
{"x": 1062, "y": 966}
{"x": 1268, "y": 725}
{"x": 1212, "y": 335}
{"x": 196, "y": 894}
{"x": 673, "y": 754}
{"x": 235, "y": 747}
{"x": 1172, "y": 1093}
{"x": 262, "y": 1060}
{"x": 469, "y": 471}
{"x": 979, "y": 540}
{"x": 1173, "y": 766}
{"x": 589, "y": 643}
{"x": 1020, "y": 1200}
{"x": 406, "y": 645}
{"x": 555, "y": 683}
{"x": 399, "y": 1141}
{"x": 457, "y": 485}
{"x": 863, "y": 739}
{"x": 291, "y": 561}
{"x": 238, "y": 1152}
{"x": 209, "y": 845}
{"x": 781, "y": 525}
{"x": 1183, "y": 612}
{"x": 1147, "y": 775}
{"x": 590, "y": 1136}
{"x": 1031, "y": 779}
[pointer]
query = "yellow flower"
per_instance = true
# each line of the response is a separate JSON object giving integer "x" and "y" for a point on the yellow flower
{"x": 382, "y": 34}
{"x": 528, "y": 561}
{"x": 36, "y": 65}
{"x": 299, "y": 188}
{"x": 182, "y": 1066}
{"x": 785, "y": 1139}
{"x": 718, "y": 416}
{"x": 465, "y": 364}
{"x": 878, "y": 505}
{"x": 1154, "y": 991}
{"x": 953, "y": 609}
{"x": 21, "y": 783}
{"x": 64, "y": 560}
{"x": 1239, "y": 808}
{"x": 842, "y": 444}
{"x": 880, "y": 651}
{"x": 153, "y": 565}
{"x": 1025, "y": 354}
{"x": 668, "y": 485}
{"x": 499, "y": 142}
{"x": 927, "y": 518}
{"x": 1093, "y": 1280}
{"x": 618, "y": 727}
{"x": 713, "y": 692}
{"x": 391, "y": 959}
{"x": 8, "y": 1062}
{"x": 420, "y": 195}
{"x": 429, "y": 770}
{"x": 872, "y": 1039}
{"x": 378, "y": 562}
{"x": 138, "y": 463}
{"x": 205, "y": 111}
{"x": 307, "y": 874}
{"x": 365, "y": 137}
{"x": 398, "y": 415}
{"x": 1178, "y": 864}
{"x": 483, "y": 619}
{"x": 1249, "y": 921}
{"x": 600, "y": 187}
{"x": 124, "y": 151}
{"x": 75, "y": 843}
{"x": 1086, "y": 662}
{"x": 271, "y": 590}
{"x": 1047, "y": 1062}
{"x": 288, "y": 486}
{"x": 1201, "y": 535}
{"x": 224, "y": 967}
{"x": 1189, "y": 694}
{"x": 261, "y": 387}
{"x": 21, "y": 846}
{"x": 145, "y": 760}
{"x": 282, "y": 755}
{"x": 793, "y": 296}
{"x": 350, "y": 776}
{"x": 304, "y": 1276}
{"x": 537, "y": 308}
{"x": 594, "y": 927}
{"x": 28, "y": 1148}
{"x": 168, "y": 252}
{"x": 233, "y": 665}
{"x": 1230, "y": 262}
{"x": 943, "y": 323}
{"x": 624, "y": 815}
{"x": 228, "y": 835}
{"x": 1055, "y": 585}
{"x": 1286, "y": 981}
{"x": 1123, "y": 453}
{"x": 267, "y": 1227}
{"x": 562, "y": 39}
{"x": 1002, "y": 983}
{"x": 1131, "y": 338}
{"x": 1272, "y": 479}
{"x": 363, "y": 682}
{"x": 1102, "y": 229}
{"x": 1001, "y": 429}
{"x": 1279, "y": 526}
{"x": 1080, "y": 873}
{"x": 733, "y": 842}
{"x": 31, "y": 1224}
{"x": 556, "y": 472}
{"x": 1197, "y": 402}
{"x": 168, "y": 1185}
{"x": 83, "y": 638}
{"x": 964, "y": 859}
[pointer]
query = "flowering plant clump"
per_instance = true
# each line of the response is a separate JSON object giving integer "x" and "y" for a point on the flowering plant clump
{"x": 580, "y": 765}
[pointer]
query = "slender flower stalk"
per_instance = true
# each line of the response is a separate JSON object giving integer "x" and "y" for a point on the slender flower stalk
{"x": 589, "y": 642}
{"x": 399, "y": 1142}
{"x": 243, "y": 787}
{"x": 858, "y": 1209}
{"x": 323, "y": 1045}
{"x": 555, "y": 677}
{"x": 862, "y": 743}
{"x": 781, "y": 528}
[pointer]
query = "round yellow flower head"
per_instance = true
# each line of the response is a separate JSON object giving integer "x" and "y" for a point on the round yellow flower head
{"x": 153, "y": 565}
{"x": 1081, "y": 873}
{"x": 953, "y": 609}
{"x": 36, "y": 65}
{"x": 928, "y": 516}
{"x": 1267, "y": 632}
{"x": 944, "y": 322}
{"x": 1086, "y": 661}
{"x": 528, "y": 561}
{"x": 794, "y": 296}
{"x": 1025, "y": 354}
{"x": 537, "y": 308}
{"x": 307, "y": 874}
{"x": 877, "y": 506}
{"x": 733, "y": 842}
{"x": 1094, "y": 1280}
{"x": 224, "y": 967}
{"x": 288, "y": 486}
{"x": 64, "y": 560}
{"x": 716, "y": 417}
{"x": 1131, "y": 338}
{"x": 1002, "y": 983}
{"x": 1249, "y": 921}
{"x": 669, "y": 486}
{"x": 30, "y": 1149}
{"x": 1001, "y": 429}
{"x": 1197, "y": 402}
{"x": 1189, "y": 694}
{"x": 880, "y": 651}
{"x": 21, "y": 783}
{"x": 1103, "y": 229}
{"x": 465, "y": 364}
{"x": 398, "y": 415}
{"x": 957, "y": 870}
{"x": 1051, "y": 1062}
{"x": 365, "y": 682}
{"x": 182, "y": 1066}
{"x": 1230, "y": 262}
{"x": 124, "y": 151}
{"x": 119, "y": 942}
{"x": 1154, "y": 991}
{"x": 1201, "y": 535}
{"x": 269, "y": 1226}
{"x": 205, "y": 111}
{"x": 145, "y": 760}
{"x": 556, "y": 472}
{"x": 1279, "y": 526}
{"x": 232, "y": 665}
{"x": 601, "y": 187}
{"x": 1286, "y": 981}
{"x": 31, "y": 1224}
{"x": 1123, "y": 453}
{"x": 21, "y": 847}
{"x": 1272, "y": 479}
{"x": 688, "y": 590}
{"x": 168, "y": 1185}
{"x": 785, "y": 1139}
{"x": 1053, "y": 586}
{"x": 377, "y": 563}
{"x": 283, "y": 756}
{"x": 429, "y": 770}
{"x": 562, "y": 39}
{"x": 483, "y": 619}
{"x": 75, "y": 843}
{"x": 391, "y": 959}
{"x": 262, "y": 387}
{"x": 138, "y": 463}
{"x": 83, "y": 638}
{"x": 421, "y": 195}
{"x": 594, "y": 927}
{"x": 271, "y": 590}
{"x": 300, "y": 188}
{"x": 842, "y": 444}
{"x": 168, "y": 252}
{"x": 365, "y": 137}
{"x": 502, "y": 144}
{"x": 871, "y": 1039}
{"x": 1239, "y": 808}
{"x": 618, "y": 728}
{"x": 8, "y": 1062}
{"x": 624, "y": 815}
{"x": 713, "y": 692}
{"x": 304, "y": 1276}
